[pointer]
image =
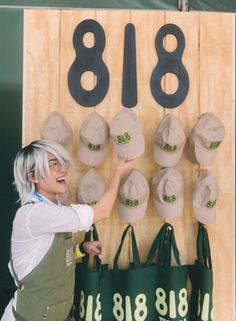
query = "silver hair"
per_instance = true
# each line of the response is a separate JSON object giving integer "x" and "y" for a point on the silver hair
{"x": 34, "y": 158}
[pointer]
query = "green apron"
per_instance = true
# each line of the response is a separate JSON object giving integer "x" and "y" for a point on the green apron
{"x": 47, "y": 292}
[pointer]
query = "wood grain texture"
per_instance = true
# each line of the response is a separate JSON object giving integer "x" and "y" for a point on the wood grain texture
{"x": 209, "y": 59}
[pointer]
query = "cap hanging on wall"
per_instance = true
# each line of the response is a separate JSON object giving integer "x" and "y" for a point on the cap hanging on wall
{"x": 168, "y": 192}
{"x": 204, "y": 139}
{"x": 90, "y": 188}
{"x": 169, "y": 141}
{"x": 204, "y": 196}
{"x": 94, "y": 140}
{"x": 127, "y": 134}
{"x": 56, "y": 128}
{"x": 133, "y": 197}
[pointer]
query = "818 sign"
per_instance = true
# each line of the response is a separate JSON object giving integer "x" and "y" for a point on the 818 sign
{"x": 90, "y": 59}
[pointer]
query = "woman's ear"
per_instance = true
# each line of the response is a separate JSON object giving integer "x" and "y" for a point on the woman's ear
{"x": 32, "y": 178}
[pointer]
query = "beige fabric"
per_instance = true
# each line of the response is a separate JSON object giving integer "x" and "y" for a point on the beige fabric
{"x": 204, "y": 196}
{"x": 127, "y": 134}
{"x": 169, "y": 141}
{"x": 167, "y": 189}
{"x": 56, "y": 128}
{"x": 133, "y": 197}
{"x": 94, "y": 140}
{"x": 90, "y": 188}
{"x": 204, "y": 139}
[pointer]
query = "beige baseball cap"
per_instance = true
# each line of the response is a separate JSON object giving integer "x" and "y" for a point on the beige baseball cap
{"x": 168, "y": 192}
{"x": 204, "y": 139}
{"x": 127, "y": 134}
{"x": 169, "y": 141}
{"x": 94, "y": 140}
{"x": 56, "y": 128}
{"x": 133, "y": 197}
{"x": 204, "y": 196}
{"x": 90, "y": 188}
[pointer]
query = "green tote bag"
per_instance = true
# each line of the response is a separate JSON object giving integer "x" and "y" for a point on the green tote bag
{"x": 201, "y": 276}
{"x": 171, "y": 297}
{"x": 128, "y": 294}
{"x": 87, "y": 301}
{"x": 150, "y": 291}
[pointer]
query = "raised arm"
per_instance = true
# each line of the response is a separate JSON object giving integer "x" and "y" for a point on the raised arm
{"x": 102, "y": 209}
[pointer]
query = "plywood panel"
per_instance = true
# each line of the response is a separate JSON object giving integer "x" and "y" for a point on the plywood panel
{"x": 217, "y": 54}
{"x": 187, "y": 112}
{"x": 208, "y": 58}
{"x": 41, "y": 69}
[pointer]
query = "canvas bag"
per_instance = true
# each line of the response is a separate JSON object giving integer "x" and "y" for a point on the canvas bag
{"x": 149, "y": 291}
{"x": 87, "y": 303}
{"x": 171, "y": 297}
{"x": 201, "y": 276}
{"x": 125, "y": 292}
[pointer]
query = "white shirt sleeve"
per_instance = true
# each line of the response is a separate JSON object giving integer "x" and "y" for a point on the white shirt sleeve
{"x": 44, "y": 218}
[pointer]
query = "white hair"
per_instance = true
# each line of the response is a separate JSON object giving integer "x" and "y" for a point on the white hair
{"x": 33, "y": 158}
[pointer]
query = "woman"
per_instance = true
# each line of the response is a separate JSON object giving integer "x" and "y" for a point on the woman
{"x": 42, "y": 254}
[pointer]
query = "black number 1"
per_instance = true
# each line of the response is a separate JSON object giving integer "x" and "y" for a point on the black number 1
{"x": 129, "y": 83}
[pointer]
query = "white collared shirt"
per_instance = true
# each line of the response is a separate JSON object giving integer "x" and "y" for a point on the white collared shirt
{"x": 34, "y": 228}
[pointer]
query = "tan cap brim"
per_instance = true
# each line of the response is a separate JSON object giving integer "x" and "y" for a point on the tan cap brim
{"x": 131, "y": 150}
{"x": 203, "y": 155}
{"x": 92, "y": 158}
{"x": 133, "y": 214}
{"x": 205, "y": 216}
{"x": 166, "y": 159}
{"x": 169, "y": 210}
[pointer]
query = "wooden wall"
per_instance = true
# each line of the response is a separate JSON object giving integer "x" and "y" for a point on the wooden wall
{"x": 210, "y": 62}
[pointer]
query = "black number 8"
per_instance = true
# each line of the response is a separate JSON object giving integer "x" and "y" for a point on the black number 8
{"x": 88, "y": 59}
{"x": 169, "y": 62}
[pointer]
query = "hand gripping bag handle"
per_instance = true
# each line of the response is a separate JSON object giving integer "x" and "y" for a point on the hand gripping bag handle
{"x": 134, "y": 248}
{"x": 92, "y": 234}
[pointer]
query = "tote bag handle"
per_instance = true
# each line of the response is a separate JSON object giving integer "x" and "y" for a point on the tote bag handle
{"x": 164, "y": 245}
{"x": 92, "y": 234}
{"x": 203, "y": 247}
{"x": 134, "y": 248}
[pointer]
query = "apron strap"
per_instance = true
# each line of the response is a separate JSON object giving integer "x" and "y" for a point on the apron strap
{"x": 17, "y": 316}
{"x": 20, "y": 285}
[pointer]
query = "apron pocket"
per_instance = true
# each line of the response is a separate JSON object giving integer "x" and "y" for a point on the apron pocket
{"x": 60, "y": 311}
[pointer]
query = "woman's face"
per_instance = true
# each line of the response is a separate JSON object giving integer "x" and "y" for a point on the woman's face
{"x": 56, "y": 183}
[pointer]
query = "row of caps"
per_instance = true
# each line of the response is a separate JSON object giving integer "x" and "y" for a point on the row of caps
{"x": 127, "y": 135}
{"x": 167, "y": 188}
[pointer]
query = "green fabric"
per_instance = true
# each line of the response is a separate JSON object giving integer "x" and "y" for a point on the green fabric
{"x": 47, "y": 292}
{"x": 87, "y": 285}
{"x": 116, "y": 4}
{"x": 154, "y": 290}
{"x": 201, "y": 277}
{"x": 11, "y": 66}
{"x": 150, "y": 291}
{"x": 200, "y": 5}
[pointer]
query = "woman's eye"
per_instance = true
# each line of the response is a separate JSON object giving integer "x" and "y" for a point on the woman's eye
{"x": 53, "y": 163}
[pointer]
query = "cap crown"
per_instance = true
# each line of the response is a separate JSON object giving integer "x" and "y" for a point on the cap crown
{"x": 205, "y": 191}
{"x": 167, "y": 185}
{"x": 134, "y": 189}
{"x": 56, "y": 128}
{"x": 169, "y": 134}
{"x": 90, "y": 188}
{"x": 209, "y": 131}
{"x": 94, "y": 132}
{"x": 124, "y": 126}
